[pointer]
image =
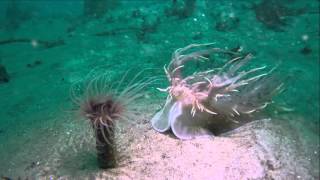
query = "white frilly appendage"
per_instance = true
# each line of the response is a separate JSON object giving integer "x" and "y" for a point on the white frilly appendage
{"x": 194, "y": 101}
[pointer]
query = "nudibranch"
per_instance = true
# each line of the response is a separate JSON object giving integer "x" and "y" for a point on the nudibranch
{"x": 196, "y": 102}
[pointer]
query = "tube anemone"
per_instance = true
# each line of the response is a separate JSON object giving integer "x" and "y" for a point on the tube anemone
{"x": 102, "y": 114}
{"x": 104, "y": 104}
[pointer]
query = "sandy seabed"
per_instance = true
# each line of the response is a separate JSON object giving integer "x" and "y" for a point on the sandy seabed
{"x": 258, "y": 150}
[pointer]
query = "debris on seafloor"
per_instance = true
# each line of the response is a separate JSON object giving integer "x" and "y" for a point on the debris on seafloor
{"x": 116, "y": 31}
{"x": 274, "y": 14}
{"x": 4, "y": 76}
{"x": 6, "y": 178}
{"x": 98, "y": 8}
{"x": 34, "y": 64}
{"x": 32, "y": 165}
{"x": 225, "y": 24}
{"x": 306, "y": 50}
{"x": 34, "y": 42}
{"x": 15, "y": 15}
{"x": 148, "y": 26}
{"x": 181, "y": 9}
{"x": 210, "y": 102}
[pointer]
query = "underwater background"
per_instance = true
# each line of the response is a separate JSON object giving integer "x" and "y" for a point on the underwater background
{"x": 46, "y": 46}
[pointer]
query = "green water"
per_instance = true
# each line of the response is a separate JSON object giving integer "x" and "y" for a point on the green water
{"x": 47, "y": 46}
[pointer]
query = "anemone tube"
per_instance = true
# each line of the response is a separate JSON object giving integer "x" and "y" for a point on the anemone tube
{"x": 102, "y": 114}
